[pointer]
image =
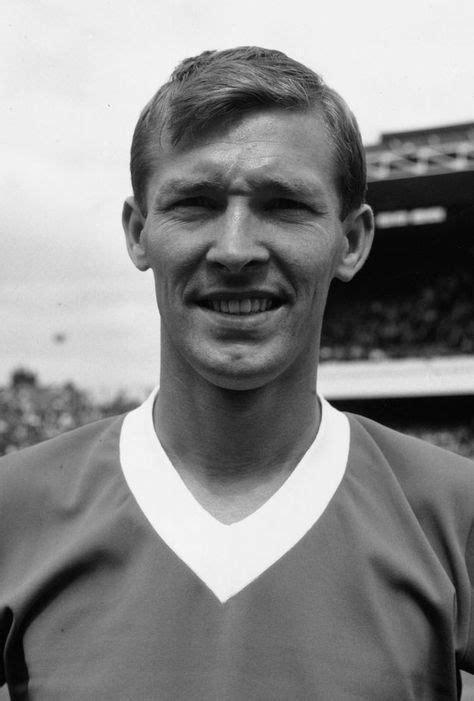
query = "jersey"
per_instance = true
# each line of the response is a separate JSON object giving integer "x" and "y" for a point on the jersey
{"x": 373, "y": 601}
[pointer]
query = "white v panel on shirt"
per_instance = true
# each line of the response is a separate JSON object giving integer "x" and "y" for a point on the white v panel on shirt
{"x": 227, "y": 558}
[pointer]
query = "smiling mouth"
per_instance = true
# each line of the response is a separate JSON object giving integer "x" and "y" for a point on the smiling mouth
{"x": 241, "y": 307}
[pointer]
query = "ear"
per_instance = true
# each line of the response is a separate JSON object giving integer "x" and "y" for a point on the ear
{"x": 133, "y": 222}
{"x": 358, "y": 237}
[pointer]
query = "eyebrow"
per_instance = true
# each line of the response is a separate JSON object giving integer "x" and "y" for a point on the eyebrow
{"x": 290, "y": 187}
{"x": 294, "y": 187}
{"x": 185, "y": 186}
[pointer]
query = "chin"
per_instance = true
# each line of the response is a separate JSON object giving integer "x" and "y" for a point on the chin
{"x": 242, "y": 376}
{"x": 237, "y": 383}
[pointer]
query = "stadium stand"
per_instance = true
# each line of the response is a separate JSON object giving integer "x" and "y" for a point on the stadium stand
{"x": 415, "y": 295}
{"x": 398, "y": 342}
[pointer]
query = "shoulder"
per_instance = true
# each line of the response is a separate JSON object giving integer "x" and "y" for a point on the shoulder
{"x": 71, "y": 442}
{"x": 406, "y": 452}
{"x": 435, "y": 481}
{"x": 430, "y": 492}
{"x": 41, "y": 473}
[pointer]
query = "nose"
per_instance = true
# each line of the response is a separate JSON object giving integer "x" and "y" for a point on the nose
{"x": 237, "y": 243}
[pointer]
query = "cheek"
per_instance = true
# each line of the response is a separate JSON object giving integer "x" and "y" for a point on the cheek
{"x": 165, "y": 260}
{"x": 172, "y": 250}
{"x": 313, "y": 275}
{"x": 312, "y": 255}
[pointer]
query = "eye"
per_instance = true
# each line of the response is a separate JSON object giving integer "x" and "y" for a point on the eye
{"x": 285, "y": 204}
{"x": 189, "y": 208}
{"x": 197, "y": 201}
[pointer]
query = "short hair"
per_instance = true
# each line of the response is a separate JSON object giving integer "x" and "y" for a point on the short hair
{"x": 219, "y": 87}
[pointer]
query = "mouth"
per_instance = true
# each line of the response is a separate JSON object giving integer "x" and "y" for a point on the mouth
{"x": 240, "y": 306}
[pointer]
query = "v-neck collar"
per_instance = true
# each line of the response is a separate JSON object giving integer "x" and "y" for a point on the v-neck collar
{"x": 227, "y": 558}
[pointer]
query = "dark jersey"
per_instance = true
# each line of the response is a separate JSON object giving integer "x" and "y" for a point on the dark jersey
{"x": 374, "y": 601}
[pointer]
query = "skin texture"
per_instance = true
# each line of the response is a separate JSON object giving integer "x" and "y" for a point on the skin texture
{"x": 249, "y": 211}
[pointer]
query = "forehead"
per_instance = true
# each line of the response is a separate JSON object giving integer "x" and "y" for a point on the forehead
{"x": 259, "y": 149}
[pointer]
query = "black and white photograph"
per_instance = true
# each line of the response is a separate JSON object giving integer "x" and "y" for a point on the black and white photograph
{"x": 237, "y": 351}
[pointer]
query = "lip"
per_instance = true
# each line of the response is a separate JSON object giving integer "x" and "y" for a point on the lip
{"x": 253, "y": 322}
{"x": 242, "y": 303}
{"x": 240, "y": 294}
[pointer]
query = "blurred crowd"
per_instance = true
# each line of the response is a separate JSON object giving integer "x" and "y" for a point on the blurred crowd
{"x": 434, "y": 318}
{"x": 31, "y": 412}
{"x": 458, "y": 439}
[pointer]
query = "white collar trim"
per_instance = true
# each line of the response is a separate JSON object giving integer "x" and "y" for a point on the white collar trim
{"x": 227, "y": 558}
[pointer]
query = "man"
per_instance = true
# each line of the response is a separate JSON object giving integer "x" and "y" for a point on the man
{"x": 236, "y": 537}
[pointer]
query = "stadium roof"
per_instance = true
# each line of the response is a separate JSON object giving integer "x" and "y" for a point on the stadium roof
{"x": 411, "y": 154}
{"x": 423, "y": 169}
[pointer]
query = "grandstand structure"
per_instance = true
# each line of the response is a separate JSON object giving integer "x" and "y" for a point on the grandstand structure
{"x": 404, "y": 328}
{"x": 413, "y": 154}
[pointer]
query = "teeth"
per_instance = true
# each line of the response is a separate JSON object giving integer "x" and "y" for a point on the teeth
{"x": 241, "y": 306}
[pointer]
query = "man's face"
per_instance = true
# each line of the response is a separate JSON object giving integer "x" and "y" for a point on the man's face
{"x": 243, "y": 236}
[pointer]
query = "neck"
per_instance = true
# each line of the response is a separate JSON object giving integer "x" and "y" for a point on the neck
{"x": 230, "y": 436}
